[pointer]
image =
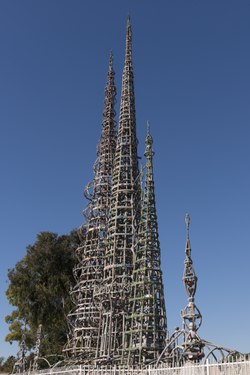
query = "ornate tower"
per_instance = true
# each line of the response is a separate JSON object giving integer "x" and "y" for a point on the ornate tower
{"x": 124, "y": 212}
{"x": 84, "y": 320}
{"x": 146, "y": 321}
{"x": 185, "y": 345}
{"x": 191, "y": 316}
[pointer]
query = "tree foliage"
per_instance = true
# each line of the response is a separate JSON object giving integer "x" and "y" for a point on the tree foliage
{"x": 6, "y": 366}
{"x": 39, "y": 289}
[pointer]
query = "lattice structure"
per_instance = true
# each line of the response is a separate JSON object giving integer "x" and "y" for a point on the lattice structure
{"x": 84, "y": 320}
{"x": 20, "y": 365}
{"x": 119, "y": 320}
{"x": 191, "y": 316}
{"x": 37, "y": 347}
{"x": 185, "y": 345}
{"x": 124, "y": 216}
{"x": 146, "y": 322}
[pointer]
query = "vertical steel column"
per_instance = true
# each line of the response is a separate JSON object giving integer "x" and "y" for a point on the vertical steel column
{"x": 123, "y": 219}
{"x": 191, "y": 316}
{"x": 84, "y": 320}
{"x": 146, "y": 321}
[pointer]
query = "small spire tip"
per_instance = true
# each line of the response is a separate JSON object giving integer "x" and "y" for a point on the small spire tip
{"x": 128, "y": 21}
{"x": 187, "y": 220}
{"x": 148, "y": 127}
{"x": 111, "y": 57}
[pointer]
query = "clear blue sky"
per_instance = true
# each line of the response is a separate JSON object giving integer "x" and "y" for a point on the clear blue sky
{"x": 192, "y": 81}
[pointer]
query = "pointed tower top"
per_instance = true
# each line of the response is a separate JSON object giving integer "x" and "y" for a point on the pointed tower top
{"x": 111, "y": 58}
{"x": 128, "y": 53}
{"x": 128, "y": 20}
{"x": 187, "y": 220}
{"x": 189, "y": 276}
{"x": 188, "y": 245}
{"x": 148, "y": 127}
{"x": 149, "y": 141}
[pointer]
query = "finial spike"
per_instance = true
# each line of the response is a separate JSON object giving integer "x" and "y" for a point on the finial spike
{"x": 129, "y": 20}
{"x": 148, "y": 127}
{"x": 111, "y": 58}
{"x": 149, "y": 141}
{"x": 187, "y": 220}
{"x": 128, "y": 36}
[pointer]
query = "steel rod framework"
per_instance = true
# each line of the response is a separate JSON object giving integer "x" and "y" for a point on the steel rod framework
{"x": 191, "y": 316}
{"x": 20, "y": 365}
{"x": 119, "y": 316}
{"x": 119, "y": 320}
{"x": 84, "y": 320}
{"x": 123, "y": 219}
{"x": 185, "y": 346}
{"x": 146, "y": 320}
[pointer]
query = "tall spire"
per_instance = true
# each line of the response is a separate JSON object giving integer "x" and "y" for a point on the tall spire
{"x": 123, "y": 218}
{"x": 146, "y": 321}
{"x": 191, "y": 316}
{"x": 84, "y": 319}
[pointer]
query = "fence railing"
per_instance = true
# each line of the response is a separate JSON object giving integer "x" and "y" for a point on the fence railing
{"x": 235, "y": 368}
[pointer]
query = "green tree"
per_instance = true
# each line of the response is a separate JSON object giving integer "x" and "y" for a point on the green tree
{"x": 6, "y": 366}
{"x": 39, "y": 289}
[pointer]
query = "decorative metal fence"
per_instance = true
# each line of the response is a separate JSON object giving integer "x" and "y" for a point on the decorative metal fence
{"x": 234, "y": 368}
